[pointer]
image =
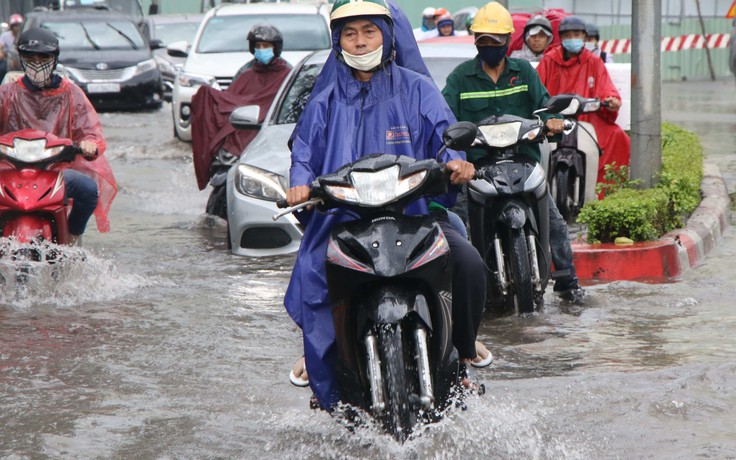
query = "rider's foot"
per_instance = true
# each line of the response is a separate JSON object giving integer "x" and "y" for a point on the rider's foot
{"x": 298, "y": 375}
{"x": 574, "y": 295}
{"x": 73, "y": 239}
{"x": 483, "y": 358}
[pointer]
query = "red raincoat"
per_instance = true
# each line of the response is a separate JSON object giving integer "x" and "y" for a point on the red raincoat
{"x": 587, "y": 76}
{"x": 65, "y": 112}
{"x": 211, "y": 108}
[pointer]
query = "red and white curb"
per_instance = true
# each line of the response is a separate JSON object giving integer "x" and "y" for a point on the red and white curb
{"x": 680, "y": 43}
{"x": 671, "y": 255}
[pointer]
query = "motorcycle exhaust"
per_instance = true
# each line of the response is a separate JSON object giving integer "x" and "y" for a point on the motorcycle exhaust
{"x": 374, "y": 374}
{"x": 426, "y": 392}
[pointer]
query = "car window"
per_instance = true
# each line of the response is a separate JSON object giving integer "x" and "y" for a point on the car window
{"x": 96, "y": 35}
{"x": 297, "y": 95}
{"x": 170, "y": 32}
{"x": 226, "y": 34}
{"x": 130, "y": 8}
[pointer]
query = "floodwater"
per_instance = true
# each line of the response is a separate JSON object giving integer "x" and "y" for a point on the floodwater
{"x": 160, "y": 344}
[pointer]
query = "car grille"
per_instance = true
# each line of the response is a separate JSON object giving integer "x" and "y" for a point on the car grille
{"x": 264, "y": 238}
{"x": 106, "y": 75}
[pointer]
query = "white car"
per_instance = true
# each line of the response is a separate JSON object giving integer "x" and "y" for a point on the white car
{"x": 260, "y": 177}
{"x": 220, "y": 47}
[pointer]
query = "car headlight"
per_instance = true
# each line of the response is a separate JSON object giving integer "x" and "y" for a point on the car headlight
{"x": 68, "y": 72}
{"x": 259, "y": 183}
{"x": 146, "y": 66}
{"x": 376, "y": 188}
{"x": 501, "y": 135}
{"x": 190, "y": 80}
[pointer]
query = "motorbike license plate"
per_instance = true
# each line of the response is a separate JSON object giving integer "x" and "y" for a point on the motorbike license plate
{"x": 94, "y": 88}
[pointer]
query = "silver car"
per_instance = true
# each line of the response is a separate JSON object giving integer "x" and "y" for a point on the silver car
{"x": 261, "y": 176}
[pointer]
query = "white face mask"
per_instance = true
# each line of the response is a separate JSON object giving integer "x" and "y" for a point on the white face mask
{"x": 364, "y": 62}
{"x": 591, "y": 46}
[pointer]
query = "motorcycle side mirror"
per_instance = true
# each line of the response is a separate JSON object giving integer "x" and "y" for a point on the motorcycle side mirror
{"x": 460, "y": 136}
{"x": 563, "y": 104}
{"x": 178, "y": 49}
{"x": 246, "y": 117}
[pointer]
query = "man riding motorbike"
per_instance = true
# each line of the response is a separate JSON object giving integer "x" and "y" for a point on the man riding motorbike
{"x": 213, "y": 137}
{"x": 44, "y": 101}
{"x": 492, "y": 84}
{"x": 373, "y": 106}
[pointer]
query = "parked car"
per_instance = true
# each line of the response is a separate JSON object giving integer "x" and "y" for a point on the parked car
{"x": 105, "y": 54}
{"x": 261, "y": 176}
{"x": 164, "y": 30}
{"x": 220, "y": 47}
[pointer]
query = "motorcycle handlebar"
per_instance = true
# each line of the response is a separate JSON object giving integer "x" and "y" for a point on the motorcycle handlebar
{"x": 282, "y": 203}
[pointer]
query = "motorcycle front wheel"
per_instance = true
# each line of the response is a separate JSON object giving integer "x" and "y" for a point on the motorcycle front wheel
{"x": 399, "y": 417}
{"x": 520, "y": 271}
{"x": 562, "y": 191}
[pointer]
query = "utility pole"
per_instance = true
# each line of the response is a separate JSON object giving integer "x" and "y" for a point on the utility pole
{"x": 646, "y": 90}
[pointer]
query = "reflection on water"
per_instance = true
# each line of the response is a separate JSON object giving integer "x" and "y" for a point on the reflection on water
{"x": 163, "y": 345}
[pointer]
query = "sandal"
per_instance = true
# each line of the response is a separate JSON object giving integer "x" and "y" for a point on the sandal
{"x": 480, "y": 362}
{"x": 466, "y": 378}
{"x": 300, "y": 368}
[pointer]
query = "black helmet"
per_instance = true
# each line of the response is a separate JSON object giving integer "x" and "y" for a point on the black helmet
{"x": 38, "y": 41}
{"x": 266, "y": 33}
{"x": 592, "y": 31}
{"x": 571, "y": 23}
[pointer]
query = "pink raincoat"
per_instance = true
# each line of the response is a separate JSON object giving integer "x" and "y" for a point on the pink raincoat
{"x": 65, "y": 112}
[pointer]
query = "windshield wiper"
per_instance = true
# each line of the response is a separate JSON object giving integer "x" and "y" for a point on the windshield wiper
{"x": 89, "y": 39}
{"x": 124, "y": 35}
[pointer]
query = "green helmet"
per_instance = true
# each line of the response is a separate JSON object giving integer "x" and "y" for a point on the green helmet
{"x": 349, "y": 8}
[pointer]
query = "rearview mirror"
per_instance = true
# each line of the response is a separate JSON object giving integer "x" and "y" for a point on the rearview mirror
{"x": 563, "y": 104}
{"x": 178, "y": 49}
{"x": 460, "y": 136}
{"x": 156, "y": 44}
{"x": 246, "y": 117}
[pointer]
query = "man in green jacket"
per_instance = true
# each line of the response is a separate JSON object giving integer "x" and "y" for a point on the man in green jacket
{"x": 492, "y": 84}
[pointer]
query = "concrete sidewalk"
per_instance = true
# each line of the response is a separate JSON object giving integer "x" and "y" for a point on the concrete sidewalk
{"x": 671, "y": 255}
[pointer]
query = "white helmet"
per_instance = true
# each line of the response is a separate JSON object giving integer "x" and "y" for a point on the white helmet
{"x": 428, "y": 12}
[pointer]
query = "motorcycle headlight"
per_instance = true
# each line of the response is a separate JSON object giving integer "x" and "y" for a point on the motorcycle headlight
{"x": 190, "y": 80}
{"x": 29, "y": 151}
{"x": 259, "y": 183}
{"x": 146, "y": 66}
{"x": 376, "y": 188}
{"x": 501, "y": 135}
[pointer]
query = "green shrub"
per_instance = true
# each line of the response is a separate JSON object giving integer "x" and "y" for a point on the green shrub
{"x": 645, "y": 215}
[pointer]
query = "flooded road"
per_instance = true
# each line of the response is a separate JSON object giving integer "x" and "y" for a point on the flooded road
{"x": 163, "y": 345}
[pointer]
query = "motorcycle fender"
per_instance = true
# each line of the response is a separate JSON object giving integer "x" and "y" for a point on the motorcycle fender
{"x": 513, "y": 216}
{"x": 26, "y": 228}
{"x": 390, "y": 305}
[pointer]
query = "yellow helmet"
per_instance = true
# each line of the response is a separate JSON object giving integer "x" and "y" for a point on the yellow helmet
{"x": 492, "y": 18}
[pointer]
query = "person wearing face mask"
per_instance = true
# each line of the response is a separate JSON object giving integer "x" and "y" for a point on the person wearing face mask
{"x": 44, "y": 101}
{"x": 571, "y": 68}
{"x": 371, "y": 105}
{"x": 537, "y": 37}
{"x": 493, "y": 84}
{"x": 216, "y": 144}
{"x": 429, "y": 25}
{"x": 593, "y": 38}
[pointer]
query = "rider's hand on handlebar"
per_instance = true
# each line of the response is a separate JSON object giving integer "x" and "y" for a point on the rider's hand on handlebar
{"x": 297, "y": 195}
{"x": 555, "y": 126}
{"x": 614, "y": 103}
{"x": 462, "y": 171}
{"x": 89, "y": 149}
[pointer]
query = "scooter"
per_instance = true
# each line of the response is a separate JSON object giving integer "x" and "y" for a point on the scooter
{"x": 573, "y": 167}
{"x": 217, "y": 201}
{"x": 33, "y": 204}
{"x": 389, "y": 278}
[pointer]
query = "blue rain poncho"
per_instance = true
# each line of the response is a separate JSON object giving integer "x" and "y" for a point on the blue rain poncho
{"x": 397, "y": 112}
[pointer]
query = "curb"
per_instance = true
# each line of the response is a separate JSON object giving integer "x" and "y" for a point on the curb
{"x": 671, "y": 255}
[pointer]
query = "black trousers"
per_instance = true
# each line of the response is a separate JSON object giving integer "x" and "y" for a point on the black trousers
{"x": 468, "y": 288}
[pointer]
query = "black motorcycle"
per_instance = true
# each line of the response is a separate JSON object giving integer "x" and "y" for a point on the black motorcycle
{"x": 389, "y": 278}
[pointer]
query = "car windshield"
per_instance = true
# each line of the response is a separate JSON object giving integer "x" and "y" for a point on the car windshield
{"x": 226, "y": 34}
{"x": 170, "y": 32}
{"x": 301, "y": 87}
{"x": 96, "y": 34}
